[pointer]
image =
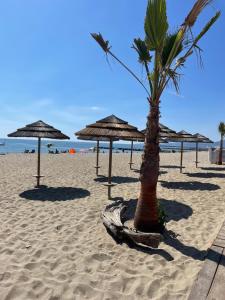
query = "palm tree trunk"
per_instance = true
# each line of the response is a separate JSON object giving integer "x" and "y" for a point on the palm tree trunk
{"x": 220, "y": 162}
{"x": 146, "y": 215}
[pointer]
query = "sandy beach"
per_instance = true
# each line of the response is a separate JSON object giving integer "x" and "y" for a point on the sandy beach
{"x": 53, "y": 245}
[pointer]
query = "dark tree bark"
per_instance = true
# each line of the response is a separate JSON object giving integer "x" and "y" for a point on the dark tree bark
{"x": 220, "y": 162}
{"x": 146, "y": 215}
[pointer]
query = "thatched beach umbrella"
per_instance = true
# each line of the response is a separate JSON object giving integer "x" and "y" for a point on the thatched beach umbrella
{"x": 110, "y": 128}
{"x": 202, "y": 139}
{"x": 39, "y": 130}
{"x": 182, "y": 137}
{"x": 164, "y": 133}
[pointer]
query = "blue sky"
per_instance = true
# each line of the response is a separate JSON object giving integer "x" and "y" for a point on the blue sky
{"x": 51, "y": 69}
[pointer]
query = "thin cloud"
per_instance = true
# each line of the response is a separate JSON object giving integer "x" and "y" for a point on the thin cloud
{"x": 96, "y": 108}
{"x": 69, "y": 116}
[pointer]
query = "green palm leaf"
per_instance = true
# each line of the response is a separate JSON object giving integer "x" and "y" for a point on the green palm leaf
{"x": 207, "y": 27}
{"x": 168, "y": 46}
{"x": 142, "y": 50}
{"x": 221, "y": 128}
{"x": 175, "y": 77}
{"x": 156, "y": 24}
{"x": 100, "y": 40}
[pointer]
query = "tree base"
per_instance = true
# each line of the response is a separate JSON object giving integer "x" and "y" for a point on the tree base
{"x": 150, "y": 227}
{"x": 112, "y": 216}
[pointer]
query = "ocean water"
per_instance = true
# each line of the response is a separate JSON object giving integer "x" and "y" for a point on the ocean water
{"x": 20, "y": 145}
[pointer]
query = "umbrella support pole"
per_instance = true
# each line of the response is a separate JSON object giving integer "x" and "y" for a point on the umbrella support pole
{"x": 110, "y": 169}
{"x": 131, "y": 155}
{"x": 38, "y": 176}
{"x": 196, "y": 160}
{"x": 97, "y": 158}
{"x": 110, "y": 184}
{"x": 181, "y": 157}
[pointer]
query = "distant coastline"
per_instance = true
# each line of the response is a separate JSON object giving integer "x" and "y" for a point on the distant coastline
{"x": 20, "y": 145}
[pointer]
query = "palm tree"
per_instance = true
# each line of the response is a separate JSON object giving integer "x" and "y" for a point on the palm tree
{"x": 221, "y": 129}
{"x": 162, "y": 54}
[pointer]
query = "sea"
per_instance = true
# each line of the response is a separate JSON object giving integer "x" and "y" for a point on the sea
{"x": 21, "y": 145}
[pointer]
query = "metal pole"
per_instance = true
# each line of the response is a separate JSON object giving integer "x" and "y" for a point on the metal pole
{"x": 181, "y": 156}
{"x": 97, "y": 158}
{"x": 39, "y": 162}
{"x": 196, "y": 160}
{"x": 110, "y": 169}
{"x": 131, "y": 154}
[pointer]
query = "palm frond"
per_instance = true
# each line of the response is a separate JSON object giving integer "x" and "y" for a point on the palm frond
{"x": 195, "y": 11}
{"x": 176, "y": 46}
{"x": 151, "y": 76}
{"x": 100, "y": 40}
{"x": 175, "y": 77}
{"x": 142, "y": 50}
{"x": 221, "y": 128}
{"x": 156, "y": 24}
{"x": 207, "y": 27}
{"x": 168, "y": 46}
{"x": 193, "y": 41}
{"x": 106, "y": 48}
{"x": 198, "y": 52}
{"x": 181, "y": 60}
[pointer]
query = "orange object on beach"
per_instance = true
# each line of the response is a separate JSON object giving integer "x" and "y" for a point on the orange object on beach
{"x": 72, "y": 151}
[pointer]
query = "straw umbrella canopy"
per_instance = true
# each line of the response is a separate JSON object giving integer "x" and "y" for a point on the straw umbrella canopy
{"x": 202, "y": 139}
{"x": 182, "y": 137}
{"x": 164, "y": 133}
{"x": 39, "y": 130}
{"x": 110, "y": 128}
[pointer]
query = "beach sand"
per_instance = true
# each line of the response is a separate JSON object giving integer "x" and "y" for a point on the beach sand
{"x": 53, "y": 244}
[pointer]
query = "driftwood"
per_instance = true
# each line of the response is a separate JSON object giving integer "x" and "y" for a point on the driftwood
{"x": 112, "y": 219}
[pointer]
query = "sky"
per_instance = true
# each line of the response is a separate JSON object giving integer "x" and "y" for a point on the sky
{"x": 52, "y": 70}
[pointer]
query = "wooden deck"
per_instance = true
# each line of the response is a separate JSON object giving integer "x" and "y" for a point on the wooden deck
{"x": 210, "y": 283}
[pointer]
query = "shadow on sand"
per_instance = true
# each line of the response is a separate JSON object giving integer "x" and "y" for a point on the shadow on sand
{"x": 161, "y": 172}
{"x": 174, "y": 211}
{"x": 213, "y": 169}
{"x": 170, "y": 238}
{"x": 117, "y": 179}
{"x": 55, "y": 193}
{"x": 142, "y": 248}
{"x": 190, "y": 186}
{"x": 205, "y": 175}
{"x": 171, "y": 167}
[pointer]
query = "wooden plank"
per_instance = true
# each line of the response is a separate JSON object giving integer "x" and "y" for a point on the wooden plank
{"x": 217, "y": 290}
{"x": 222, "y": 229}
{"x": 219, "y": 242}
{"x": 220, "y": 237}
{"x": 221, "y": 232}
{"x": 205, "y": 277}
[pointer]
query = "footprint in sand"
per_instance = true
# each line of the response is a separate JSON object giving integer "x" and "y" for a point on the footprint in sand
{"x": 101, "y": 256}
